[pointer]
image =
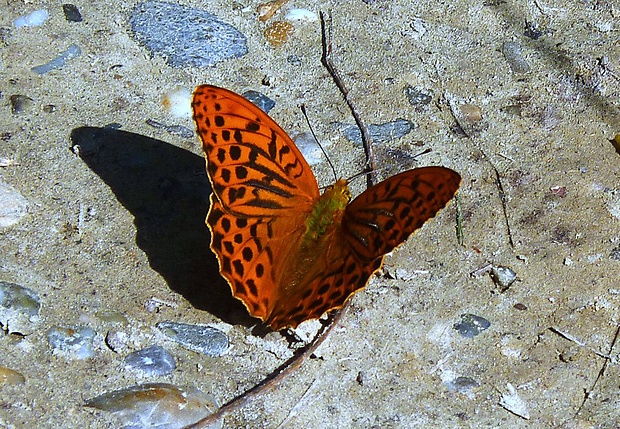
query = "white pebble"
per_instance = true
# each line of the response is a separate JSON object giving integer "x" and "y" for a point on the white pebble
{"x": 13, "y": 206}
{"x": 34, "y": 19}
{"x": 177, "y": 102}
{"x": 301, "y": 15}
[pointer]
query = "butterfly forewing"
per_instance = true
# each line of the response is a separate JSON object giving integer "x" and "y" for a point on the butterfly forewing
{"x": 382, "y": 217}
{"x": 254, "y": 167}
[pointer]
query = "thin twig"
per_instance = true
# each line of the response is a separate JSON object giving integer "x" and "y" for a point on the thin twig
{"x": 326, "y": 60}
{"x": 272, "y": 380}
{"x": 498, "y": 180}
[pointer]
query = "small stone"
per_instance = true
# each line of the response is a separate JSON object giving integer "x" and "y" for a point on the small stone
{"x": 184, "y": 35}
{"x": 33, "y": 19}
{"x": 177, "y": 130}
{"x": 520, "y": 306}
{"x": 268, "y": 10}
{"x": 471, "y": 112}
{"x": 75, "y": 342}
{"x": 20, "y": 103}
{"x": 71, "y": 52}
{"x": 462, "y": 384}
{"x": 512, "y": 402}
{"x": 201, "y": 339}
{"x": 178, "y": 102}
{"x": 514, "y": 57}
{"x": 72, "y": 13}
{"x": 11, "y": 377}
{"x": 13, "y": 206}
{"x": 417, "y": 96}
{"x": 151, "y": 361}
{"x": 294, "y": 60}
{"x": 16, "y": 299}
{"x": 49, "y": 108}
{"x": 503, "y": 277}
{"x": 309, "y": 148}
{"x": 381, "y": 133}
{"x": 157, "y": 405}
{"x": 262, "y": 101}
{"x": 278, "y": 32}
{"x": 471, "y": 325}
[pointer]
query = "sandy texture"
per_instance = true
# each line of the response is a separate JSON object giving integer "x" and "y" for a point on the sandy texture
{"x": 113, "y": 235}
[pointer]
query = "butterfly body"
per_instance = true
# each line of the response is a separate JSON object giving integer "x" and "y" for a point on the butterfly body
{"x": 289, "y": 253}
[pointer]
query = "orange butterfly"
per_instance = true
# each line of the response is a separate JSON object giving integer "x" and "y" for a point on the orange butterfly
{"x": 289, "y": 253}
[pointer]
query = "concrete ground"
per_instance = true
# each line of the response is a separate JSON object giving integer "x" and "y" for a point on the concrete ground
{"x": 524, "y": 102}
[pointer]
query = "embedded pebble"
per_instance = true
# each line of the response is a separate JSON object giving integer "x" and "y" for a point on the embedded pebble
{"x": 13, "y": 206}
{"x": 303, "y": 15}
{"x": 184, "y": 35}
{"x": 462, "y": 384}
{"x": 75, "y": 342}
{"x": 471, "y": 112}
{"x": 309, "y": 148}
{"x": 267, "y": 10}
{"x": 381, "y": 133}
{"x": 10, "y": 377}
{"x": 514, "y": 57}
{"x": 262, "y": 101}
{"x": 72, "y": 13}
{"x": 71, "y": 52}
{"x": 20, "y": 103}
{"x": 117, "y": 341}
{"x": 294, "y": 60}
{"x": 503, "y": 277}
{"x": 16, "y": 299}
{"x": 157, "y": 405}
{"x": 278, "y": 32}
{"x": 34, "y": 19}
{"x": 417, "y": 96}
{"x": 178, "y": 102}
{"x": 177, "y": 130}
{"x": 512, "y": 402}
{"x": 471, "y": 325}
{"x": 201, "y": 339}
{"x": 151, "y": 361}
{"x": 19, "y": 308}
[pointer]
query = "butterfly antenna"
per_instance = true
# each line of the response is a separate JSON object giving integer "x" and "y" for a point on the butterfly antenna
{"x": 303, "y": 110}
{"x": 378, "y": 170}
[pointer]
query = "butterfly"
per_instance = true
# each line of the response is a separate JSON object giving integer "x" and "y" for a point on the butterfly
{"x": 288, "y": 252}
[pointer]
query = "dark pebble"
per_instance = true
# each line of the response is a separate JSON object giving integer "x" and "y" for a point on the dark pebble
{"x": 471, "y": 325}
{"x": 262, "y": 101}
{"x": 72, "y": 13}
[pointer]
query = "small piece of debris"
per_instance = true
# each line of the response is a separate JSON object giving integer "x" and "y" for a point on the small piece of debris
{"x": 152, "y": 361}
{"x": 71, "y": 52}
{"x": 75, "y": 342}
{"x": 33, "y": 19}
{"x": 471, "y": 325}
{"x": 381, "y": 133}
{"x": 512, "y": 402}
{"x": 201, "y": 339}
{"x": 514, "y": 57}
{"x": 503, "y": 277}
{"x": 72, "y": 13}
{"x": 262, "y": 101}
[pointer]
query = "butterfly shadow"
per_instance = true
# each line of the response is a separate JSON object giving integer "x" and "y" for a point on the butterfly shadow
{"x": 167, "y": 191}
